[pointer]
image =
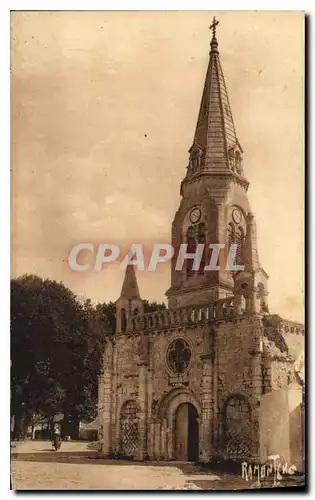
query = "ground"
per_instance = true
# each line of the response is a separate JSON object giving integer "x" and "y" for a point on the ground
{"x": 35, "y": 466}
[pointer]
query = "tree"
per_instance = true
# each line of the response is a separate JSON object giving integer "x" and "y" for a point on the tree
{"x": 153, "y": 306}
{"x": 54, "y": 351}
{"x": 57, "y": 345}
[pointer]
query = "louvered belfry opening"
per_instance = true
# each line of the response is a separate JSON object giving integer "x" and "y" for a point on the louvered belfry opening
{"x": 196, "y": 235}
{"x": 236, "y": 236}
{"x": 191, "y": 248}
{"x": 202, "y": 240}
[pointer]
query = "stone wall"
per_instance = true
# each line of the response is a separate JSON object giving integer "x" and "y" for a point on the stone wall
{"x": 230, "y": 370}
{"x": 239, "y": 387}
{"x": 163, "y": 378}
{"x": 281, "y": 425}
{"x": 234, "y": 342}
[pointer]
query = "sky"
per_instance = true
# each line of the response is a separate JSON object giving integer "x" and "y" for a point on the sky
{"x": 103, "y": 112}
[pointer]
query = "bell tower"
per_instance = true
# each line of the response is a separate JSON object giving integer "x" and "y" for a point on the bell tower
{"x": 214, "y": 207}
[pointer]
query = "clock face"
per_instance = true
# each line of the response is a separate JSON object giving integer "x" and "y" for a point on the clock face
{"x": 195, "y": 215}
{"x": 237, "y": 216}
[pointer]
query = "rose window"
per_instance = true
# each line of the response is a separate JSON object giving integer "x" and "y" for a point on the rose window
{"x": 178, "y": 355}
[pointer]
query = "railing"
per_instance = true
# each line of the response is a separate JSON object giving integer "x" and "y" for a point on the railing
{"x": 292, "y": 327}
{"x": 220, "y": 309}
{"x": 166, "y": 318}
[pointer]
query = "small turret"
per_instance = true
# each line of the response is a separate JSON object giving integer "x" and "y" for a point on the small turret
{"x": 129, "y": 303}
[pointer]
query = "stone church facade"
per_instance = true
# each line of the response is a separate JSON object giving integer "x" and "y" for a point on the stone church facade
{"x": 186, "y": 383}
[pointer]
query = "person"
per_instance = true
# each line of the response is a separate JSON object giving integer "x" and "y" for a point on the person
{"x": 56, "y": 437}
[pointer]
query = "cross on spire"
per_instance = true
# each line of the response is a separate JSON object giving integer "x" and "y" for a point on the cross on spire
{"x": 213, "y": 26}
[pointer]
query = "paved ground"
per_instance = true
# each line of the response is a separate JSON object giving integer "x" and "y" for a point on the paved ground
{"x": 62, "y": 476}
{"x": 35, "y": 466}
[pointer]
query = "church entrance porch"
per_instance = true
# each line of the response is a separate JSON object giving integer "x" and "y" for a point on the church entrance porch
{"x": 186, "y": 430}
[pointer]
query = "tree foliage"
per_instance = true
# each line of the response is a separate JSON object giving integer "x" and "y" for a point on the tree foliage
{"x": 272, "y": 330}
{"x": 153, "y": 306}
{"x": 57, "y": 345}
{"x": 56, "y": 349}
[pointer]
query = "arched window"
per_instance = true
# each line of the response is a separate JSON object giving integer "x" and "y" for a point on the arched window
{"x": 129, "y": 429}
{"x": 191, "y": 248}
{"x": 237, "y": 427}
{"x": 240, "y": 241}
{"x": 202, "y": 240}
{"x": 123, "y": 320}
{"x": 236, "y": 236}
{"x": 231, "y": 233}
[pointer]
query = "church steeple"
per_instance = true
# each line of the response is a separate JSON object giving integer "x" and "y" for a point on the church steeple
{"x": 214, "y": 205}
{"x": 215, "y": 147}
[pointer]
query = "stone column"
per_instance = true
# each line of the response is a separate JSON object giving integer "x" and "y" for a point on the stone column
{"x": 216, "y": 425}
{"x": 206, "y": 420}
{"x": 115, "y": 406}
{"x": 107, "y": 412}
{"x": 143, "y": 364}
{"x": 152, "y": 456}
{"x": 105, "y": 400}
{"x": 257, "y": 391}
{"x": 169, "y": 438}
{"x": 157, "y": 440}
{"x": 100, "y": 408}
{"x": 150, "y": 426}
{"x": 142, "y": 399}
{"x": 163, "y": 440}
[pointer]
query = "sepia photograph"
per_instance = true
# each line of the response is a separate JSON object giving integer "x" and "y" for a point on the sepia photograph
{"x": 157, "y": 250}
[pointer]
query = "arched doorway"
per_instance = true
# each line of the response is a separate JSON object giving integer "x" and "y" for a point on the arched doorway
{"x": 169, "y": 417}
{"x": 186, "y": 433}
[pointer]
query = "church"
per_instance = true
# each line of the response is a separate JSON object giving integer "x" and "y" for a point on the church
{"x": 211, "y": 376}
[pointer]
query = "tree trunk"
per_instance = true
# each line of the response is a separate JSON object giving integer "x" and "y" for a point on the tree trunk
{"x": 51, "y": 426}
{"x": 25, "y": 425}
{"x": 17, "y": 426}
{"x": 76, "y": 428}
{"x": 65, "y": 425}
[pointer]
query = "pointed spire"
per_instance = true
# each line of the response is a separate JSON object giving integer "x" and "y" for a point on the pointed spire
{"x": 130, "y": 289}
{"x": 215, "y": 147}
